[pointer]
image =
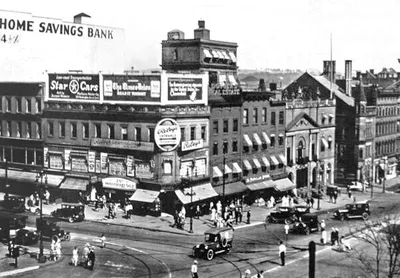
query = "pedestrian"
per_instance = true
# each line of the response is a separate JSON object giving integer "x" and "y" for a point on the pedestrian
{"x": 85, "y": 255}
{"x": 240, "y": 214}
{"x": 47, "y": 196}
{"x": 75, "y": 256}
{"x": 324, "y": 237}
{"x": 15, "y": 252}
{"x": 247, "y": 273}
{"x": 91, "y": 258}
{"x": 236, "y": 214}
{"x": 248, "y": 216}
{"x": 330, "y": 197}
{"x": 260, "y": 274}
{"x": 194, "y": 269}
{"x": 211, "y": 207}
{"x": 10, "y": 247}
{"x": 53, "y": 249}
{"x": 282, "y": 252}
{"x": 214, "y": 215}
{"x": 349, "y": 191}
{"x": 103, "y": 241}
{"x": 323, "y": 225}
{"x": 312, "y": 202}
{"x": 198, "y": 212}
{"x": 272, "y": 201}
{"x": 229, "y": 222}
{"x": 337, "y": 235}
{"x": 335, "y": 195}
{"x": 333, "y": 236}
{"x": 58, "y": 249}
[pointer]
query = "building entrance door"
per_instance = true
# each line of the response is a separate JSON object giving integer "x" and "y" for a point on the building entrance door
{"x": 302, "y": 177}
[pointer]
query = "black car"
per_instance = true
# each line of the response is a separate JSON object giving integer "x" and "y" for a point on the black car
{"x": 356, "y": 210}
{"x": 305, "y": 224}
{"x": 216, "y": 241}
{"x": 26, "y": 237}
{"x": 70, "y": 211}
{"x": 287, "y": 214}
{"x": 49, "y": 227}
{"x": 15, "y": 203}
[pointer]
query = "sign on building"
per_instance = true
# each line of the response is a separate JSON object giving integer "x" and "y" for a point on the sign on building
{"x": 167, "y": 134}
{"x": 74, "y": 87}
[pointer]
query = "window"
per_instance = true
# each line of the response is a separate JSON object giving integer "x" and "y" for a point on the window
{"x": 124, "y": 133}
{"x": 50, "y": 129}
{"x": 8, "y": 104}
{"x": 225, "y": 147}
{"x": 151, "y": 134}
{"x": 246, "y": 116}
{"x": 215, "y": 148}
{"x": 74, "y": 130}
{"x": 225, "y": 127}
{"x": 288, "y": 153}
{"x": 264, "y": 115}
{"x": 203, "y": 133}
{"x": 167, "y": 166}
{"x": 1, "y": 109}
{"x": 330, "y": 143}
{"x": 272, "y": 140}
{"x": 300, "y": 148}
{"x": 97, "y": 130}
{"x": 18, "y": 129}
{"x": 111, "y": 134}
{"x": 234, "y": 146}
{"x": 62, "y": 129}
{"x": 85, "y": 130}
{"x": 273, "y": 118}
{"x": 361, "y": 153}
{"x": 18, "y": 107}
{"x": 235, "y": 125}
{"x": 38, "y": 106}
{"x": 330, "y": 119}
{"x": 1, "y": 133}
{"x": 28, "y": 130}
{"x": 38, "y": 130}
{"x": 215, "y": 127}
{"x": 323, "y": 119}
{"x": 281, "y": 117}
{"x": 255, "y": 116}
{"x": 183, "y": 135}
{"x": 138, "y": 134}
{"x": 28, "y": 105}
{"x": 322, "y": 147}
{"x": 192, "y": 133}
{"x": 280, "y": 141}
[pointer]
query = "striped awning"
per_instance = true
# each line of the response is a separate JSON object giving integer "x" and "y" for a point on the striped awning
{"x": 207, "y": 53}
{"x": 233, "y": 57}
{"x": 144, "y": 196}
{"x": 266, "y": 138}
{"x": 265, "y": 161}
{"x": 247, "y": 140}
{"x": 217, "y": 172}
{"x": 236, "y": 168}
{"x": 257, "y": 139}
{"x": 196, "y": 193}
{"x": 227, "y": 169}
{"x": 257, "y": 163}
{"x": 247, "y": 165}
{"x": 282, "y": 158}
{"x": 324, "y": 142}
{"x": 274, "y": 160}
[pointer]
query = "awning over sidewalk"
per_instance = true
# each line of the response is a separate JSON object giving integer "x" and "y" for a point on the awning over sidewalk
{"x": 145, "y": 196}
{"x": 200, "y": 192}
{"x": 284, "y": 185}
{"x": 265, "y": 161}
{"x": 231, "y": 188}
{"x": 261, "y": 185}
{"x": 30, "y": 177}
{"x": 74, "y": 184}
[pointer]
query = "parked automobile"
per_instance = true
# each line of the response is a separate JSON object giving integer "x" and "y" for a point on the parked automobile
{"x": 356, "y": 185}
{"x": 72, "y": 212}
{"x": 305, "y": 224}
{"x": 50, "y": 228}
{"x": 216, "y": 241}
{"x": 15, "y": 203}
{"x": 356, "y": 210}
{"x": 26, "y": 237}
{"x": 287, "y": 214}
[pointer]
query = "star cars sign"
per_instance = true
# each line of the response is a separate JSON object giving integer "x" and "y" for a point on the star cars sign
{"x": 167, "y": 134}
{"x": 77, "y": 87}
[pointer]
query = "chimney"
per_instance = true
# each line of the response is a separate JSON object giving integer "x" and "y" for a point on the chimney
{"x": 348, "y": 76}
{"x": 273, "y": 86}
{"x": 371, "y": 71}
{"x": 329, "y": 70}
{"x": 81, "y": 18}
{"x": 202, "y": 32}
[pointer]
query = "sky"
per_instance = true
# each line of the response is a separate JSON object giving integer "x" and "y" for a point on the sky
{"x": 286, "y": 34}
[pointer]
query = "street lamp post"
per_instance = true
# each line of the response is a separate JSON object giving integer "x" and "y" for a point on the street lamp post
{"x": 193, "y": 169}
{"x": 319, "y": 185}
{"x": 39, "y": 177}
{"x": 223, "y": 167}
{"x": 6, "y": 176}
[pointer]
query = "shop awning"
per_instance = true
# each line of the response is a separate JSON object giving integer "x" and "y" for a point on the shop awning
{"x": 261, "y": 185}
{"x": 232, "y": 79}
{"x": 145, "y": 196}
{"x": 215, "y": 54}
{"x": 266, "y": 138}
{"x": 200, "y": 192}
{"x": 217, "y": 172}
{"x": 221, "y": 56}
{"x": 325, "y": 116}
{"x": 226, "y": 56}
{"x": 236, "y": 168}
{"x": 330, "y": 115}
{"x": 274, "y": 160}
{"x": 247, "y": 140}
{"x": 54, "y": 180}
{"x": 247, "y": 165}
{"x": 284, "y": 184}
{"x": 233, "y": 57}
{"x": 231, "y": 188}
{"x": 30, "y": 177}
{"x": 74, "y": 184}
{"x": 265, "y": 161}
{"x": 324, "y": 142}
{"x": 282, "y": 158}
{"x": 257, "y": 139}
{"x": 257, "y": 163}
{"x": 207, "y": 53}
{"x": 227, "y": 169}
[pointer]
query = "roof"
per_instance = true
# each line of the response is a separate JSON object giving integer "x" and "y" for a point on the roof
{"x": 335, "y": 89}
{"x": 297, "y": 119}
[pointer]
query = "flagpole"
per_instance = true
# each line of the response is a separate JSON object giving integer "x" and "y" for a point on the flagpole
{"x": 331, "y": 70}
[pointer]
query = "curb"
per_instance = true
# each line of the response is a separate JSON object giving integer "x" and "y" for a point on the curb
{"x": 28, "y": 269}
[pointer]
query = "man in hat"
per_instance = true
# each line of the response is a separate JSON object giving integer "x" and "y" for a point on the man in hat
{"x": 194, "y": 269}
{"x": 85, "y": 255}
{"x": 91, "y": 258}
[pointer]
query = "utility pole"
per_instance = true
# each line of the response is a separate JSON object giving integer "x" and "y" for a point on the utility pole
{"x": 311, "y": 266}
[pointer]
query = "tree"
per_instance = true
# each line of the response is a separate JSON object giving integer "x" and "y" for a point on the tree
{"x": 382, "y": 236}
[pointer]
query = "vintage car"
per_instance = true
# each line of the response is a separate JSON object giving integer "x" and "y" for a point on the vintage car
{"x": 15, "y": 203}
{"x": 72, "y": 212}
{"x": 287, "y": 214}
{"x": 355, "y": 210}
{"x": 305, "y": 224}
{"x": 216, "y": 241}
{"x": 49, "y": 228}
{"x": 26, "y": 237}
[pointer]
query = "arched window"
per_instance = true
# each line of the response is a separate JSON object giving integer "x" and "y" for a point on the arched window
{"x": 300, "y": 148}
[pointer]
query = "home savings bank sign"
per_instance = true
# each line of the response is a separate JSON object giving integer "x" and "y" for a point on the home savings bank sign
{"x": 57, "y": 28}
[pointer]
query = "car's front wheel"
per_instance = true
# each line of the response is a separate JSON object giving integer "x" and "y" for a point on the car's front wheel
{"x": 210, "y": 254}
{"x": 70, "y": 219}
{"x": 342, "y": 217}
{"x": 306, "y": 230}
{"x": 365, "y": 216}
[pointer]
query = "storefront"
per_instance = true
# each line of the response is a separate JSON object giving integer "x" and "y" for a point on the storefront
{"x": 71, "y": 186}
{"x": 146, "y": 202}
{"x": 259, "y": 187}
{"x": 118, "y": 189}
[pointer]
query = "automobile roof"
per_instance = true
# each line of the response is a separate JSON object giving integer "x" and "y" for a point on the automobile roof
{"x": 363, "y": 202}
{"x": 309, "y": 215}
{"x": 16, "y": 195}
{"x": 216, "y": 231}
{"x": 72, "y": 204}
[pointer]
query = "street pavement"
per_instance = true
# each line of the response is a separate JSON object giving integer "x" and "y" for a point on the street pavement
{"x": 164, "y": 223}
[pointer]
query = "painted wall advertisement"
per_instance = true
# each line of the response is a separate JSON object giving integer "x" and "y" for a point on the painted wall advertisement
{"x": 132, "y": 88}
{"x": 81, "y": 87}
{"x": 104, "y": 162}
{"x": 92, "y": 161}
{"x": 130, "y": 169}
{"x": 192, "y": 145}
{"x": 167, "y": 134}
{"x": 181, "y": 88}
{"x": 67, "y": 163}
{"x": 143, "y": 170}
{"x": 119, "y": 183}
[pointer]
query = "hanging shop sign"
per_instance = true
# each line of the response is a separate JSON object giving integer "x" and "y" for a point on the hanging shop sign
{"x": 167, "y": 134}
{"x": 104, "y": 162}
{"x": 130, "y": 170}
{"x": 192, "y": 145}
{"x": 92, "y": 161}
{"x": 122, "y": 144}
{"x": 132, "y": 88}
{"x": 181, "y": 88}
{"x": 119, "y": 184}
{"x": 259, "y": 178}
{"x": 77, "y": 87}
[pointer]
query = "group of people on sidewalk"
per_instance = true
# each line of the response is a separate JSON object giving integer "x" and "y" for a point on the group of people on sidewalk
{"x": 87, "y": 259}
{"x": 227, "y": 216}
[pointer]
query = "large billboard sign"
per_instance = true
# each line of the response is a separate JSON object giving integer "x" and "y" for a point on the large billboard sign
{"x": 128, "y": 88}
{"x": 76, "y": 87}
{"x": 182, "y": 88}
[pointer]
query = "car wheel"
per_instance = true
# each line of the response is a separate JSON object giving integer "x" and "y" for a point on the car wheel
{"x": 37, "y": 211}
{"x": 365, "y": 216}
{"x": 67, "y": 237}
{"x": 287, "y": 221}
{"x": 210, "y": 254}
{"x": 224, "y": 242}
{"x": 269, "y": 219}
{"x": 306, "y": 230}
{"x": 342, "y": 217}
{"x": 70, "y": 219}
